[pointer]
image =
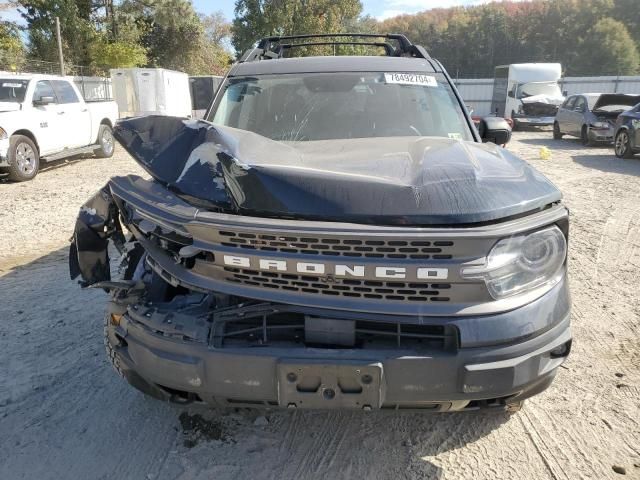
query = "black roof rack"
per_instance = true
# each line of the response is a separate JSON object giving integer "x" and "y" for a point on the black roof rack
{"x": 275, "y": 47}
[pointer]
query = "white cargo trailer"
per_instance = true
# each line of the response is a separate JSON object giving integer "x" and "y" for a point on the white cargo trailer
{"x": 528, "y": 93}
{"x": 151, "y": 91}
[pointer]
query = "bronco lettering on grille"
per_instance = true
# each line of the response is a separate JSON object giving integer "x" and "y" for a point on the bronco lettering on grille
{"x": 337, "y": 270}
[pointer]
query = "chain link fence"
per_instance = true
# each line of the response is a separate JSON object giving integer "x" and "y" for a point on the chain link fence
{"x": 93, "y": 87}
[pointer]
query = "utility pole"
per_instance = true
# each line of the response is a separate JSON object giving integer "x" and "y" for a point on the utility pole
{"x": 59, "y": 46}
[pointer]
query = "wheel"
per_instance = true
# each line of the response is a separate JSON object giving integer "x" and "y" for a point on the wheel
{"x": 622, "y": 146}
{"x": 105, "y": 142}
{"x": 24, "y": 160}
{"x": 584, "y": 137}
{"x": 514, "y": 407}
{"x": 557, "y": 134}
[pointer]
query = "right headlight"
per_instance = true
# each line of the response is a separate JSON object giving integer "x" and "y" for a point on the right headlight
{"x": 523, "y": 262}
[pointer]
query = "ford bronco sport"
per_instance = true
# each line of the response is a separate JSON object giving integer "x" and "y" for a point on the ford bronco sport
{"x": 335, "y": 235}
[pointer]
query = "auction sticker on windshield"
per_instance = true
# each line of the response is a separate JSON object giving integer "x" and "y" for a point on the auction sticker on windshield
{"x": 410, "y": 79}
{"x": 12, "y": 85}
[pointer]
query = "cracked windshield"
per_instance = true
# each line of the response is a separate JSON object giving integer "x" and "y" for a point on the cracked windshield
{"x": 341, "y": 106}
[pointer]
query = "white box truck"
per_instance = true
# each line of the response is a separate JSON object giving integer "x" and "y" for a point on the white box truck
{"x": 527, "y": 93}
{"x": 151, "y": 91}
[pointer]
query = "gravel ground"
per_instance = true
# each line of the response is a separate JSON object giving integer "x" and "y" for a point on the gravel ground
{"x": 65, "y": 414}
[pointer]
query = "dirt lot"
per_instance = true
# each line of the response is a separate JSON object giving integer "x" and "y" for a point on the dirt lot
{"x": 65, "y": 414}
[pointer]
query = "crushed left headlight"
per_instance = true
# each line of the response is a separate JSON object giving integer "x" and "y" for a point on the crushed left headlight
{"x": 522, "y": 263}
{"x": 3, "y": 134}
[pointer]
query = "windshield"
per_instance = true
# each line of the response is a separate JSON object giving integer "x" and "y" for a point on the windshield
{"x": 12, "y": 90}
{"x": 331, "y": 106}
{"x": 551, "y": 89}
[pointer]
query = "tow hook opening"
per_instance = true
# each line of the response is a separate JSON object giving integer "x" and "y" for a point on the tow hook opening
{"x": 561, "y": 350}
{"x": 180, "y": 396}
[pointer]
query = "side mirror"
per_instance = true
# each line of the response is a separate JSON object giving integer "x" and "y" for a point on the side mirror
{"x": 511, "y": 94}
{"x": 565, "y": 93}
{"x": 44, "y": 100}
{"x": 495, "y": 130}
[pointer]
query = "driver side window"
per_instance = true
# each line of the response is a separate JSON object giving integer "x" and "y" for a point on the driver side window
{"x": 44, "y": 89}
{"x": 580, "y": 104}
{"x": 568, "y": 105}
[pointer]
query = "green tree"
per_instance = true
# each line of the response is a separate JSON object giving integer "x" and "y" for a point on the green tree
{"x": 106, "y": 54}
{"x": 77, "y": 28}
{"x": 173, "y": 35}
{"x": 609, "y": 50}
{"x": 259, "y": 18}
{"x": 12, "y": 51}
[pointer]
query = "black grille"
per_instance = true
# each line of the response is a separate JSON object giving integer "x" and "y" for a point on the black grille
{"x": 345, "y": 247}
{"x": 253, "y": 326}
{"x": 370, "y": 289}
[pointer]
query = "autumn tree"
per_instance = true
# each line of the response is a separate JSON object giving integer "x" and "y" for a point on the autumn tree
{"x": 260, "y": 18}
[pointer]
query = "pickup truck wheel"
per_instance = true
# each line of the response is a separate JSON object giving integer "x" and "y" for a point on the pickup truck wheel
{"x": 105, "y": 142}
{"x": 622, "y": 145}
{"x": 24, "y": 161}
{"x": 557, "y": 134}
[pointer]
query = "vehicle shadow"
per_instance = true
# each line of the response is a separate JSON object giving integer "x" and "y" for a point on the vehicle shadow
{"x": 53, "y": 165}
{"x": 611, "y": 164}
{"x": 567, "y": 143}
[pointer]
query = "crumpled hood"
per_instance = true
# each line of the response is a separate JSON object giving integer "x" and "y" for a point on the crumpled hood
{"x": 551, "y": 100}
{"x": 9, "y": 106}
{"x": 398, "y": 180}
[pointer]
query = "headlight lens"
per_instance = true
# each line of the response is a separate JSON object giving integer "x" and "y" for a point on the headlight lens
{"x": 600, "y": 125}
{"x": 3, "y": 134}
{"x": 522, "y": 263}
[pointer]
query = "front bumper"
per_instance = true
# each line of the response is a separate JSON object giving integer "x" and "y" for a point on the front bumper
{"x": 272, "y": 376}
{"x": 601, "y": 135}
{"x": 533, "y": 121}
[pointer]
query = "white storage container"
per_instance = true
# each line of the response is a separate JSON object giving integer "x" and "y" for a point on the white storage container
{"x": 151, "y": 91}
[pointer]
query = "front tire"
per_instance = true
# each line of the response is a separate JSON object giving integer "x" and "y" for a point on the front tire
{"x": 557, "y": 134}
{"x": 24, "y": 159}
{"x": 584, "y": 137}
{"x": 106, "y": 143}
{"x": 622, "y": 145}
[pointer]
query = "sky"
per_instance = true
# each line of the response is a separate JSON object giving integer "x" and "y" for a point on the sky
{"x": 379, "y": 9}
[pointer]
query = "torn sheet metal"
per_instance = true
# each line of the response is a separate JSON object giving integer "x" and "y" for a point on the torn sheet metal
{"x": 182, "y": 154}
{"x": 97, "y": 222}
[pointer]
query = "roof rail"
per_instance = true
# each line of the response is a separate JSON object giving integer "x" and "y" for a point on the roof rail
{"x": 275, "y": 47}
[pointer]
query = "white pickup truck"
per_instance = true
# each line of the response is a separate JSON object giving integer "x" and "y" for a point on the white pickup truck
{"x": 44, "y": 117}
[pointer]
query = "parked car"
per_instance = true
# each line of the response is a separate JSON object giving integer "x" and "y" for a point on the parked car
{"x": 527, "y": 94}
{"x": 336, "y": 235}
{"x": 44, "y": 117}
{"x": 591, "y": 116}
{"x": 627, "y": 139}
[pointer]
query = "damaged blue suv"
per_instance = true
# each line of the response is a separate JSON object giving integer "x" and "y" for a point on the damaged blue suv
{"x": 336, "y": 234}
